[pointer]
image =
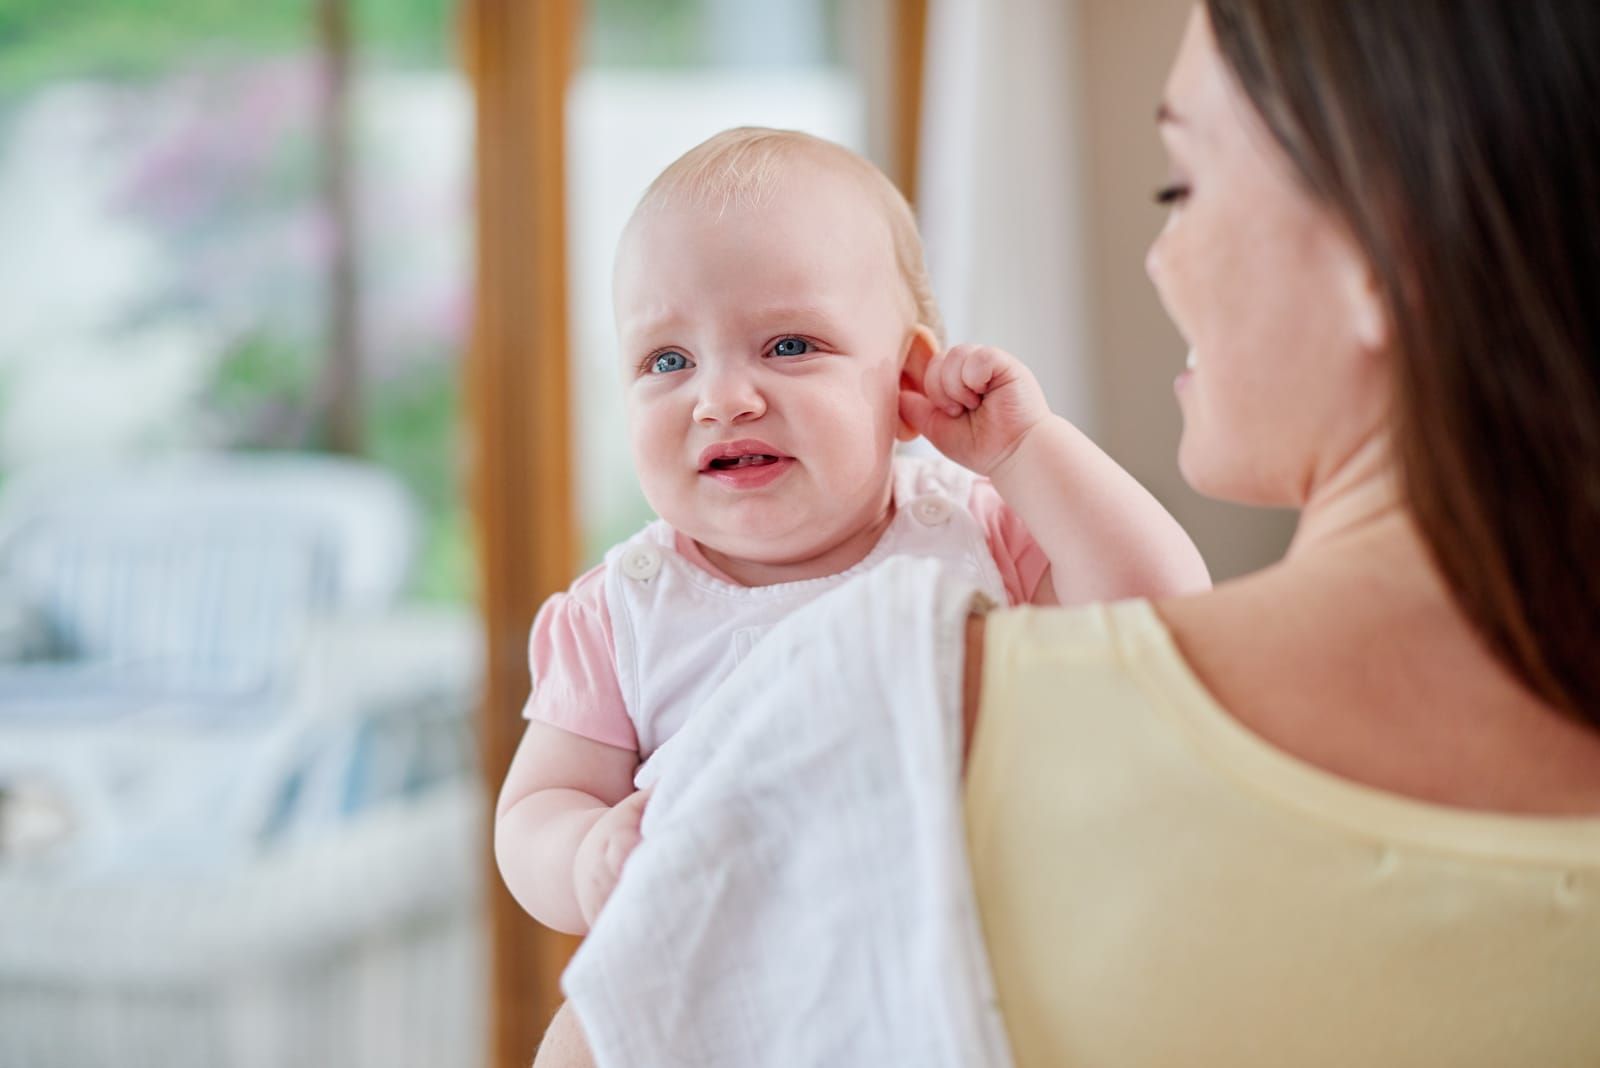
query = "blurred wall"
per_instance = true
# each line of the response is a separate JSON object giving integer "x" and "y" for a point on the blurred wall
{"x": 1126, "y": 48}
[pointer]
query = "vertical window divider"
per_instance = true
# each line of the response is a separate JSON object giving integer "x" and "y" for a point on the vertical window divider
{"x": 520, "y": 56}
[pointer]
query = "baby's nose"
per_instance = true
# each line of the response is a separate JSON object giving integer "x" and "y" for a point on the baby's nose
{"x": 729, "y": 396}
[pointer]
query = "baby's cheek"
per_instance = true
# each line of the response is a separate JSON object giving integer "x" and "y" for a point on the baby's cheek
{"x": 877, "y": 393}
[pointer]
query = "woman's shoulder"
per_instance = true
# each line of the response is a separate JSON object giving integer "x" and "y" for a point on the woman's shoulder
{"x": 1026, "y": 654}
{"x": 1255, "y": 648}
{"x": 1385, "y": 687}
{"x": 1322, "y": 710}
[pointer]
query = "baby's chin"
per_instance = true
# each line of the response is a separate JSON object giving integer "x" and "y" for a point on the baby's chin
{"x": 771, "y": 549}
{"x": 799, "y": 538}
{"x": 782, "y": 555}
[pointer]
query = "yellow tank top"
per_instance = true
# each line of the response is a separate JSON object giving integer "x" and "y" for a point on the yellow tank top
{"x": 1160, "y": 887}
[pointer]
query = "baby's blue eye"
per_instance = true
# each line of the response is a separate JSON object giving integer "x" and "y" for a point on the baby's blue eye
{"x": 791, "y": 346}
{"x": 667, "y": 362}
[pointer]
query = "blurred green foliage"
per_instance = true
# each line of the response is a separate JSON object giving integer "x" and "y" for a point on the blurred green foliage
{"x": 413, "y": 425}
{"x": 643, "y": 33}
{"x": 42, "y": 40}
{"x": 666, "y": 33}
{"x": 262, "y": 393}
{"x": 262, "y": 379}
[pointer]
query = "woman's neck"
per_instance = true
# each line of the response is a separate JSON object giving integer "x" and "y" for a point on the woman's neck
{"x": 1357, "y": 534}
{"x": 1352, "y": 655}
{"x": 1358, "y": 499}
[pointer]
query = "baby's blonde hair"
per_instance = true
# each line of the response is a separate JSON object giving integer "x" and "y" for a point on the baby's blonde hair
{"x": 742, "y": 166}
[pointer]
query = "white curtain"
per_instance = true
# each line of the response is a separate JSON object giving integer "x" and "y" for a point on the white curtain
{"x": 1000, "y": 186}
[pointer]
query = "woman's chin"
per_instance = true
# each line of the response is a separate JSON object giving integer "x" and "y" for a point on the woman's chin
{"x": 1193, "y": 462}
{"x": 1195, "y": 473}
{"x": 1212, "y": 474}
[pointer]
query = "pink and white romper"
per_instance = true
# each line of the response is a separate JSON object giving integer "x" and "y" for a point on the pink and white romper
{"x": 634, "y": 645}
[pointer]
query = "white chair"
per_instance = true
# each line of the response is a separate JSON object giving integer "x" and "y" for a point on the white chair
{"x": 263, "y": 837}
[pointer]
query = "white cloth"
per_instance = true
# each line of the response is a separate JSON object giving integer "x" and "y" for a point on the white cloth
{"x": 678, "y": 630}
{"x": 801, "y": 896}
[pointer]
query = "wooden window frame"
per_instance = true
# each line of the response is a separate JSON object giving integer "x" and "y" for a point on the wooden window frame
{"x": 520, "y": 55}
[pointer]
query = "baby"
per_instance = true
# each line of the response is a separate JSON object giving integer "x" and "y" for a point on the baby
{"x": 778, "y": 336}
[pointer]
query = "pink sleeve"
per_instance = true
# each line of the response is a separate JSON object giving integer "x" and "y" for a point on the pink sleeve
{"x": 572, "y": 658}
{"x": 1022, "y": 563}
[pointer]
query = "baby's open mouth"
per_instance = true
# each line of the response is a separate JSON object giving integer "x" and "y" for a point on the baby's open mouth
{"x": 726, "y": 457}
{"x": 725, "y": 463}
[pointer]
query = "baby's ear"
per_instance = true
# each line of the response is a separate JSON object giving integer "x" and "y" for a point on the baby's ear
{"x": 921, "y": 346}
{"x": 920, "y": 349}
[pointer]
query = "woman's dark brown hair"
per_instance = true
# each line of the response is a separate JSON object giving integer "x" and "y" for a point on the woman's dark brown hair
{"x": 1459, "y": 141}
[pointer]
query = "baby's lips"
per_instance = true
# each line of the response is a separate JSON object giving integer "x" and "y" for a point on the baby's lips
{"x": 725, "y": 450}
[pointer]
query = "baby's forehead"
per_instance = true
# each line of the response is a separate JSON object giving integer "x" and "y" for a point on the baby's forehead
{"x": 796, "y": 178}
{"x": 799, "y": 236}
{"x": 809, "y": 201}
{"x": 794, "y": 221}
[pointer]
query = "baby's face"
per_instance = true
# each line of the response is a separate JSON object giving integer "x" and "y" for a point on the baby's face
{"x": 762, "y": 348}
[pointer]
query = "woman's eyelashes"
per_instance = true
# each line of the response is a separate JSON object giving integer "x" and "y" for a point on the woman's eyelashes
{"x": 1172, "y": 193}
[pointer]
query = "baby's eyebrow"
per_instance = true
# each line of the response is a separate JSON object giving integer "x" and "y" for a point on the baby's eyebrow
{"x": 810, "y": 314}
{"x": 646, "y": 327}
{"x": 646, "y": 324}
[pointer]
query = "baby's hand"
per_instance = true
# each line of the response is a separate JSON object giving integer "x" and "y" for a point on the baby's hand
{"x": 975, "y": 403}
{"x": 603, "y": 852}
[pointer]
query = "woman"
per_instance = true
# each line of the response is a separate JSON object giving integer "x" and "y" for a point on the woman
{"x": 1345, "y": 810}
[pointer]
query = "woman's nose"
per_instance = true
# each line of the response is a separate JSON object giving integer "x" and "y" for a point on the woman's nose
{"x": 729, "y": 395}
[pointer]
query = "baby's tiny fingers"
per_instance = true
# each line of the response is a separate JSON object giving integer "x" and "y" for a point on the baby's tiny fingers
{"x": 619, "y": 849}
{"x": 932, "y": 387}
{"x": 979, "y": 370}
{"x": 952, "y": 374}
{"x": 594, "y": 894}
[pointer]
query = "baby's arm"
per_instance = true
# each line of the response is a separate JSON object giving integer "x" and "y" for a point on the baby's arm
{"x": 566, "y": 821}
{"x": 1106, "y": 537}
